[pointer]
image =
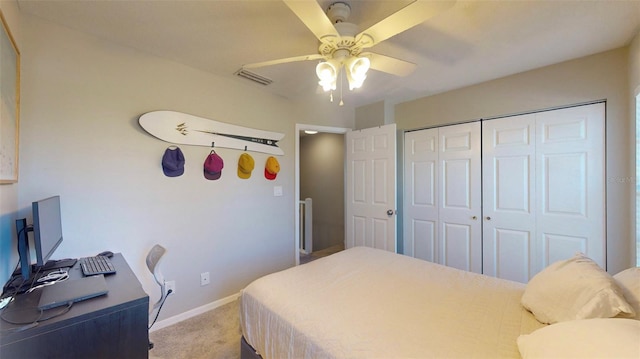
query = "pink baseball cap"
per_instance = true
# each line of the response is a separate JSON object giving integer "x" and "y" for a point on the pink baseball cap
{"x": 213, "y": 166}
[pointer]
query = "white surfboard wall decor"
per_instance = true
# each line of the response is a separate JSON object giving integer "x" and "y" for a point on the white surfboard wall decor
{"x": 181, "y": 128}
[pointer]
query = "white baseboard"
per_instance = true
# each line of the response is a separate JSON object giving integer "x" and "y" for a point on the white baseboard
{"x": 193, "y": 312}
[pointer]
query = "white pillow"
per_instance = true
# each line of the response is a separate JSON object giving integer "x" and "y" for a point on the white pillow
{"x": 590, "y": 338}
{"x": 629, "y": 281}
{"x": 575, "y": 288}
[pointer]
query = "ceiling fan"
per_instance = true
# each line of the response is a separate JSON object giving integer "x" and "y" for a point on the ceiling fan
{"x": 342, "y": 45}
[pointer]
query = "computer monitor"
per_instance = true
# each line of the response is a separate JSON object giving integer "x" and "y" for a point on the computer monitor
{"x": 47, "y": 234}
{"x": 47, "y": 228}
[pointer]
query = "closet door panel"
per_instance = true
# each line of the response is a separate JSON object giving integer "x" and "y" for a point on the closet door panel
{"x": 508, "y": 150}
{"x": 460, "y": 238}
{"x": 511, "y": 254}
{"x": 559, "y": 247}
{"x": 424, "y": 234}
{"x": 571, "y": 204}
{"x": 421, "y": 194}
{"x": 457, "y": 246}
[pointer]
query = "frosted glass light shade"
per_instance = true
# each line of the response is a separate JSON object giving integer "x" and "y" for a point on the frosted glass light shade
{"x": 357, "y": 68}
{"x": 328, "y": 74}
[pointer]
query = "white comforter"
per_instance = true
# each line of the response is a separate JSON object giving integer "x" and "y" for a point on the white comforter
{"x": 368, "y": 303}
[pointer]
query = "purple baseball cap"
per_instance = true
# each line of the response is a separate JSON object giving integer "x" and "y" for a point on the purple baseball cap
{"x": 173, "y": 162}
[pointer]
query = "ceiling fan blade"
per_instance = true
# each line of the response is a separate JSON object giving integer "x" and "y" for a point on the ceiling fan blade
{"x": 283, "y": 61}
{"x": 312, "y": 15}
{"x": 389, "y": 64}
{"x": 411, "y": 15}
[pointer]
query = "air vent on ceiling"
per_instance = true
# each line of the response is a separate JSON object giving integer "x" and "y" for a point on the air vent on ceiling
{"x": 254, "y": 77}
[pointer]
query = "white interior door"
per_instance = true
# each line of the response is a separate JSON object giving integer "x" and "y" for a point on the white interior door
{"x": 509, "y": 216}
{"x": 460, "y": 205}
{"x": 420, "y": 216}
{"x": 370, "y": 208}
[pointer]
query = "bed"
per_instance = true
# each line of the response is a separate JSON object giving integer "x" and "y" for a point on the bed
{"x": 369, "y": 303}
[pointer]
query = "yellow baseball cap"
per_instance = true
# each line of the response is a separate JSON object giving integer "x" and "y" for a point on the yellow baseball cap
{"x": 245, "y": 165}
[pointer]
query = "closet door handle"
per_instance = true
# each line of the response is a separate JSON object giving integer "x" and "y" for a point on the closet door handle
{"x": 474, "y": 217}
{"x": 488, "y": 218}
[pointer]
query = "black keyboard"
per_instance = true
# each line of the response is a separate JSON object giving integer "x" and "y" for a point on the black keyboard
{"x": 96, "y": 265}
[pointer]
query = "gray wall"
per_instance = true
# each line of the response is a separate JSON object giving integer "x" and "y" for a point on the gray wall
{"x": 322, "y": 179}
{"x": 602, "y": 76}
{"x": 376, "y": 114}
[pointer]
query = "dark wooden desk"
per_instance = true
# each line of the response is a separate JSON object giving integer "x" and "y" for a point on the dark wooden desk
{"x": 110, "y": 326}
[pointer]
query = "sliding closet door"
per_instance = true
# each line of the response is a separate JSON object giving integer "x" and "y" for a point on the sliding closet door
{"x": 420, "y": 215}
{"x": 570, "y": 166}
{"x": 460, "y": 236}
{"x": 509, "y": 192}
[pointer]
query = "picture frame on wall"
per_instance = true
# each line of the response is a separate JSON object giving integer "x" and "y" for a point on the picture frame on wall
{"x": 9, "y": 105}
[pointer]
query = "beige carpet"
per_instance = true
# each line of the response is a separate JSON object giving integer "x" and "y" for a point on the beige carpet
{"x": 211, "y": 335}
{"x": 306, "y": 258}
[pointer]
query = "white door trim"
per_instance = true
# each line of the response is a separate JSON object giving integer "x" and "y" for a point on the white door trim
{"x": 302, "y": 127}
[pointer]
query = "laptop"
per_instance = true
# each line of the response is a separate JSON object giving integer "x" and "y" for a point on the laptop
{"x": 71, "y": 291}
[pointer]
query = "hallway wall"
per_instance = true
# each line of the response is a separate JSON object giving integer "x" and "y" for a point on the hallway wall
{"x": 322, "y": 179}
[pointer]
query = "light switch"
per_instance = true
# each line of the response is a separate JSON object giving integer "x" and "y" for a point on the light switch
{"x": 277, "y": 191}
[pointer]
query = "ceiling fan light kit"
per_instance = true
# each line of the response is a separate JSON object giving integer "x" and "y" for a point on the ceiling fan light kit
{"x": 355, "y": 67}
{"x": 341, "y": 43}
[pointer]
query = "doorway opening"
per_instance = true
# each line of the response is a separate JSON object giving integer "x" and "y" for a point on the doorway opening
{"x": 319, "y": 163}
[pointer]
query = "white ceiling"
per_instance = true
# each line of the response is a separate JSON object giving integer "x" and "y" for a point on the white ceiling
{"x": 472, "y": 42}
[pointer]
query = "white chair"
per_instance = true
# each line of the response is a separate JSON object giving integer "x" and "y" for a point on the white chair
{"x": 153, "y": 263}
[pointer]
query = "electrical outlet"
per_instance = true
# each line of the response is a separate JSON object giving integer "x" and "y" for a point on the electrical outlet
{"x": 170, "y": 286}
{"x": 204, "y": 278}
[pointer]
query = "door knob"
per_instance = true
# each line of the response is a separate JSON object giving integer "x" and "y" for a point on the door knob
{"x": 474, "y": 217}
{"x": 488, "y": 218}
{"x": 390, "y": 212}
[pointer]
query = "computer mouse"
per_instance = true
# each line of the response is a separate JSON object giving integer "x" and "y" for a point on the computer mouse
{"x": 107, "y": 254}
